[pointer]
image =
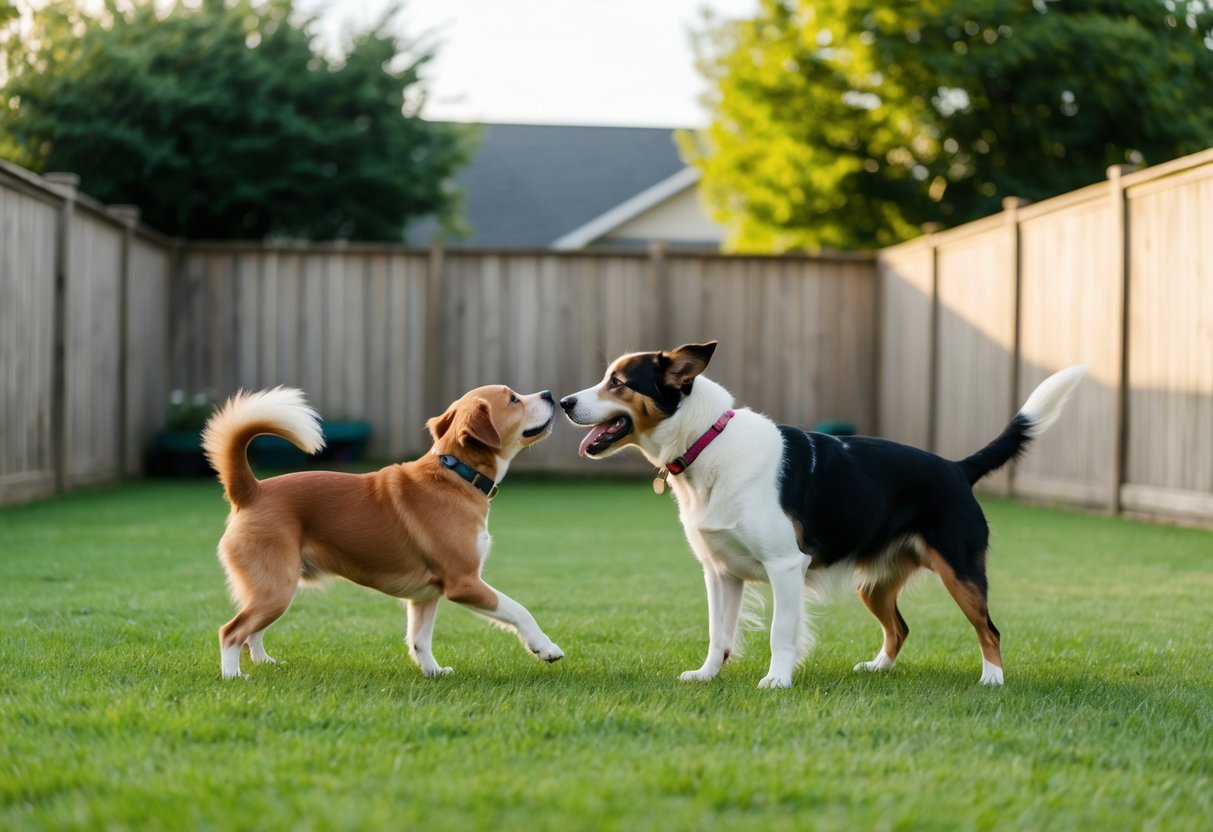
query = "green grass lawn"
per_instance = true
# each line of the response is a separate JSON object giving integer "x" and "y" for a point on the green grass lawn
{"x": 114, "y": 716}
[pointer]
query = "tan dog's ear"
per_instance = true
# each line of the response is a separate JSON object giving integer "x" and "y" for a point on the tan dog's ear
{"x": 439, "y": 425}
{"x": 478, "y": 425}
{"x": 683, "y": 364}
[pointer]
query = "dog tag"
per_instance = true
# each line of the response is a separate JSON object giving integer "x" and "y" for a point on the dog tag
{"x": 659, "y": 483}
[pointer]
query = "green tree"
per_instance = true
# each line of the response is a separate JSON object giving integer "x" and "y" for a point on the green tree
{"x": 225, "y": 121}
{"x": 845, "y": 124}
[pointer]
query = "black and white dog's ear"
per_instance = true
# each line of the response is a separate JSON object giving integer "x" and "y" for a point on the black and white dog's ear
{"x": 681, "y": 365}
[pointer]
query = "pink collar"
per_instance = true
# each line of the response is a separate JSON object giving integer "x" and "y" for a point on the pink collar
{"x": 684, "y": 462}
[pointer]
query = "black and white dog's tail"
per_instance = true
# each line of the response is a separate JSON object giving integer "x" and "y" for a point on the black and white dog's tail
{"x": 1036, "y": 416}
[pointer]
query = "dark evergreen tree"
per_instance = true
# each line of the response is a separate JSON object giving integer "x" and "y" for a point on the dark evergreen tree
{"x": 224, "y": 121}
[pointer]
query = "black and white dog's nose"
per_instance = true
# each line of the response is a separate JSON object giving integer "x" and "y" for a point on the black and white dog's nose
{"x": 568, "y": 403}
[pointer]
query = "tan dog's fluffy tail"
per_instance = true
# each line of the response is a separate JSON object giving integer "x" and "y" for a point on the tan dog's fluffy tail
{"x": 282, "y": 411}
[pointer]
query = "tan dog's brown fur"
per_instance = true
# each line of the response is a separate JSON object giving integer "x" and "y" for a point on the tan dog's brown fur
{"x": 415, "y": 530}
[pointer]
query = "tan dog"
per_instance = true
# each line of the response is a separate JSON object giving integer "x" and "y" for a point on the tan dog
{"x": 416, "y": 531}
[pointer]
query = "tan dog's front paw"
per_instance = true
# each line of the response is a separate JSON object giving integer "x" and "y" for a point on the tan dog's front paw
{"x": 435, "y": 671}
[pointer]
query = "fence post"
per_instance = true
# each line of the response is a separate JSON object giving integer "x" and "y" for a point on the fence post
{"x": 1119, "y": 240}
{"x": 933, "y": 356}
{"x": 1010, "y": 214}
{"x": 128, "y": 215}
{"x": 66, "y": 186}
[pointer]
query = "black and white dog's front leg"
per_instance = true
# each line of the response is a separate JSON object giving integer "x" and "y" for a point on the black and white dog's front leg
{"x": 787, "y": 590}
{"x": 724, "y": 608}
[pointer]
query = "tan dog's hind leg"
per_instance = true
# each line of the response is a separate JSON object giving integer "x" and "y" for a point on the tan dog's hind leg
{"x": 482, "y": 599}
{"x": 263, "y": 584}
{"x": 257, "y": 650}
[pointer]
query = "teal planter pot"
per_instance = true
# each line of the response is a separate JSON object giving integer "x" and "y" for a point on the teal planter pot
{"x": 345, "y": 441}
{"x": 276, "y": 453}
{"x": 178, "y": 453}
{"x": 835, "y": 427}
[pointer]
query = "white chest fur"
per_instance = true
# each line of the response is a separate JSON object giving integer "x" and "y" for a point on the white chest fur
{"x": 729, "y": 502}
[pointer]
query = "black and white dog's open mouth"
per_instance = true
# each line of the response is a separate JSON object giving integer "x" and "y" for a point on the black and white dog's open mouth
{"x": 604, "y": 435}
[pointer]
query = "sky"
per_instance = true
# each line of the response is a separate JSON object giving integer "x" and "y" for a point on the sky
{"x": 609, "y": 62}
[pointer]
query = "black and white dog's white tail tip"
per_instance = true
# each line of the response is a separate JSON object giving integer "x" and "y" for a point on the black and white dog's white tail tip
{"x": 1045, "y": 404}
{"x": 1038, "y": 413}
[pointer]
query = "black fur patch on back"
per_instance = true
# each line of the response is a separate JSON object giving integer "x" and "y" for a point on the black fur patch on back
{"x": 853, "y": 496}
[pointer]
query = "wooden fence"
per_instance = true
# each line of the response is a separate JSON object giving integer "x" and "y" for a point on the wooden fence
{"x": 101, "y": 318}
{"x": 1119, "y": 276}
{"x": 392, "y": 335}
{"x": 935, "y": 343}
{"x": 83, "y": 319}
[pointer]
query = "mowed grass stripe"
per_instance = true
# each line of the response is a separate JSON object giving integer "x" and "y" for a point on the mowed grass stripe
{"x": 114, "y": 715}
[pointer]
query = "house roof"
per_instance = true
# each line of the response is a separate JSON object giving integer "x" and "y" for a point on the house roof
{"x": 602, "y": 224}
{"x": 534, "y": 185}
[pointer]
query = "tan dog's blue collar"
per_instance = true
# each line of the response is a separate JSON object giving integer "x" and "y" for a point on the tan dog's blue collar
{"x": 470, "y": 474}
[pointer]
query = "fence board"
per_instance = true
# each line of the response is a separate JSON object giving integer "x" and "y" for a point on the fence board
{"x": 906, "y": 287}
{"x": 147, "y": 375}
{"x": 377, "y": 347}
{"x": 27, "y": 289}
{"x": 1170, "y": 419}
{"x": 419, "y": 407}
{"x": 405, "y": 389}
{"x": 246, "y": 320}
{"x": 92, "y": 350}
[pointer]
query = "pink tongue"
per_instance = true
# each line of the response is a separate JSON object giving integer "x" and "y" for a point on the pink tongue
{"x": 592, "y": 437}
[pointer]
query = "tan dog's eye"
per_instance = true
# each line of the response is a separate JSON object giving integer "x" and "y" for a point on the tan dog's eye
{"x": 513, "y": 399}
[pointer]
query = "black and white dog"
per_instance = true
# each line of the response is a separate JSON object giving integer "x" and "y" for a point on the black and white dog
{"x": 762, "y": 502}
